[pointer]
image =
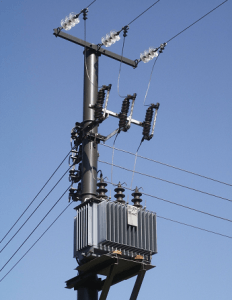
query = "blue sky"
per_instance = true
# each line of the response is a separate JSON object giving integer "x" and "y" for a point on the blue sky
{"x": 41, "y": 91}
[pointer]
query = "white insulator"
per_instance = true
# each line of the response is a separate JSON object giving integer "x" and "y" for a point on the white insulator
{"x": 74, "y": 20}
{"x": 145, "y": 56}
{"x": 153, "y": 52}
{"x": 114, "y": 36}
{"x": 65, "y": 24}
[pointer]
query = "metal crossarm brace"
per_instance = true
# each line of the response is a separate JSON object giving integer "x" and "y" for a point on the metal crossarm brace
{"x": 105, "y": 52}
{"x": 108, "y": 282}
{"x": 138, "y": 284}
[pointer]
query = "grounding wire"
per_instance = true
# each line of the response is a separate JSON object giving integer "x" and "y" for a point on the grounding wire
{"x": 35, "y": 228}
{"x": 196, "y": 21}
{"x": 36, "y": 241}
{"x": 199, "y": 211}
{"x": 35, "y": 209}
{"x": 171, "y": 182}
{"x": 35, "y": 196}
{"x": 170, "y": 166}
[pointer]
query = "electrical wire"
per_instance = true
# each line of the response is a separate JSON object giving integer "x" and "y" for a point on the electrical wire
{"x": 180, "y": 205}
{"x": 199, "y": 211}
{"x": 170, "y": 166}
{"x": 143, "y": 12}
{"x": 35, "y": 209}
{"x": 86, "y": 68}
{"x": 91, "y": 3}
{"x": 124, "y": 38}
{"x": 196, "y": 21}
{"x": 150, "y": 80}
{"x": 164, "y": 180}
{"x": 35, "y": 197}
{"x": 36, "y": 242}
{"x": 203, "y": 229}
{"x": 35, "y": 228}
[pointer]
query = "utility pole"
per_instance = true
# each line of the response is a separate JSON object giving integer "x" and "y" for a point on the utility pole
{"x": 89, "y": 148}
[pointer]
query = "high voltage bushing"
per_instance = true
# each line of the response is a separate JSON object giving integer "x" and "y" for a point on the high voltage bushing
{"x": 137, "y": 200}
{"x": 99, "y": 116}
{"x": 148, "y": 121}
{"x": 119, "y": 196}
{"x": 124, "y": 124}
{"x": 102, "y": 188}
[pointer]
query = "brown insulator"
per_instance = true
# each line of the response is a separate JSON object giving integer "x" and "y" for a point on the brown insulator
{"x": 123, "y": 114}
{"x": 137, "y": 200}
{"x": 99, "y": 105}
{"x": 147, "y": 122}
{"x": 102, "y": 188}
{"x": 119, "y": 196}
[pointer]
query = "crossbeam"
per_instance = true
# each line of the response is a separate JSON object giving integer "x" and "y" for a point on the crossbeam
{"x": 102, "y": 51}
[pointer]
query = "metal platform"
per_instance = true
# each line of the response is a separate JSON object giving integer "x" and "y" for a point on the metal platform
{"x": 115, "y": 268}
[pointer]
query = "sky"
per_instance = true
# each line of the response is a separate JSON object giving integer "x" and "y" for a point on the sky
{"x": 41, "y": 89}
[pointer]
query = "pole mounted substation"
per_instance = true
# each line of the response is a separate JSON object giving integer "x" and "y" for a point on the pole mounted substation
{"x": 111, "y": 238}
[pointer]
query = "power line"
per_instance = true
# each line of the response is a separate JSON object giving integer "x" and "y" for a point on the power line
{"x": 35, "y": 197}
{"x": 164, "y": 180}
{"x": 203, "y": 229}
{"x": 35, "y": 242}
{"x": 181, "y": 205}
{"x": 170, "y": 166}
{"x": 196, "y": 21}
{"x": 91, "y": 3}
{"x": 150, "y": 80}
{"x": 35, "y": 209}
{"x": 143, "y": 12}
{"x": 217, "y": 233}
{"x": 35, "y": 228}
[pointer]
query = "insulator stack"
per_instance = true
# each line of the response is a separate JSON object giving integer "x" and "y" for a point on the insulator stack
{"x": 119, "y": 196}
{"x": 148, "y": 120}
{"x": 99, "y": 105}
{"x": 102, "y": 189}
{"x": 123, "y": 115}
{"x": 137, "y": 200}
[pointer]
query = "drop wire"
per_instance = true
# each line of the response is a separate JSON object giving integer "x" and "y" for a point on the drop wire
{"x": 35, "y": 196}
{"x": 36, "y": 241}
{"x": 35, "y": 228}
{"x": 35, "y": 209}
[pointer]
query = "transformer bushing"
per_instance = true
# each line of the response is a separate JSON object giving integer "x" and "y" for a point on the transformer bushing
{"x": 119, "y": 196}
{"x": 102, "y": 188}
{"x": 137, "y": 200}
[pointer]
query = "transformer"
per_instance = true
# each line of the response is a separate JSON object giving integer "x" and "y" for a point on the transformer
{"x": 102, "y": 226}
